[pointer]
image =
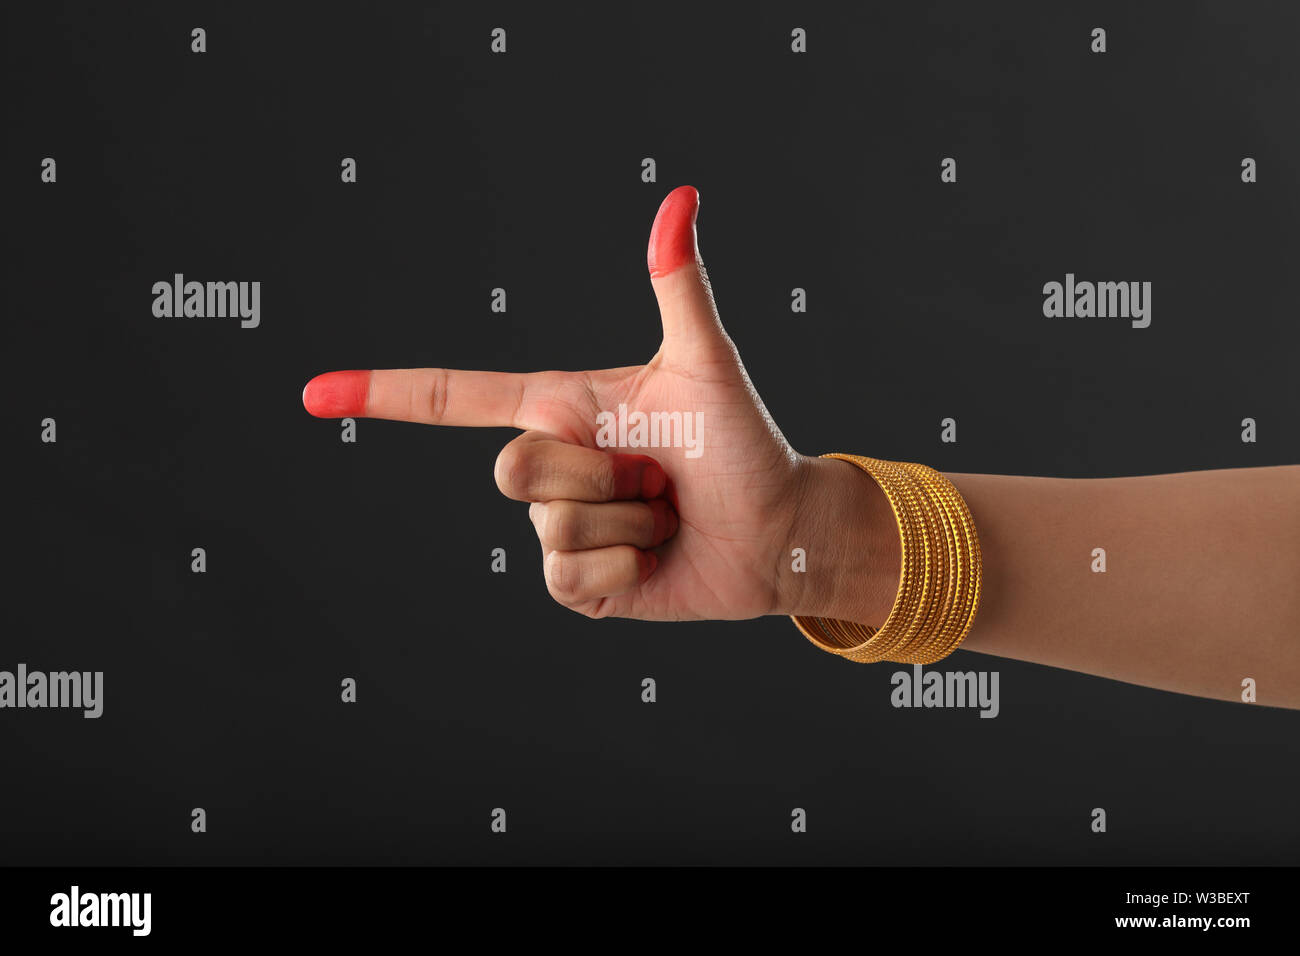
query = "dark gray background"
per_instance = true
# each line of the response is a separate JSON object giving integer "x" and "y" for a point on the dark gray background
{"x": 372, "y": 560}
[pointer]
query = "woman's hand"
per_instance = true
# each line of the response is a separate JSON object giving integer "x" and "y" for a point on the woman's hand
{"x": 666, "y": 533}
{"x": 1207, "y": 597}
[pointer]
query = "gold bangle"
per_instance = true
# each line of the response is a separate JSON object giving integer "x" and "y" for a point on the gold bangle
{"x": 954, "y": 614}
{"x": 940, "y": 572}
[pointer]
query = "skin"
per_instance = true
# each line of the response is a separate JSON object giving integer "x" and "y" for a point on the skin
{"x": 1200, "y": 590}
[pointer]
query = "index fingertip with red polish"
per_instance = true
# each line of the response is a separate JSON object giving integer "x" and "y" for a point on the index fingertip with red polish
{"x": 337, "y": 394}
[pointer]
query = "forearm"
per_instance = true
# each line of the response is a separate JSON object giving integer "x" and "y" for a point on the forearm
{"x": 1201, "y": 587}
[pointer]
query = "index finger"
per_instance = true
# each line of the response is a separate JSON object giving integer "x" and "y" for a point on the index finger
{"x": 432, "y": 396}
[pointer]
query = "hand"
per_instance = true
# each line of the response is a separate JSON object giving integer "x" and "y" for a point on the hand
{"x": 665, "y": 533}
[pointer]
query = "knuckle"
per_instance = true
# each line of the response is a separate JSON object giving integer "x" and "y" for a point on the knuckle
{"x": 606, "y": 479}
{"x": 564, "y": 525}
{"x": 438, "y": 396}
{"x": 563, "y": 577}
{"x": 513, "y": 471}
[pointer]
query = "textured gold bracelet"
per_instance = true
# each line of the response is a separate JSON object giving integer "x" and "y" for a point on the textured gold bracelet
{"x": 967, "y": 571}
{"x": 940, "y": 573}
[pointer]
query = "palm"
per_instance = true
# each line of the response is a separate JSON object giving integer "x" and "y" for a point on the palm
{"x": 722, "y": 562}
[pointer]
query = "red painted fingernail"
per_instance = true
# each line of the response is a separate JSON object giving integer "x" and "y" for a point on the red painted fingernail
{"x": 627, "y": 475}
{"x": 666, "y": 521}
{"x": 648, "y": 561}
{"x": 662, "y": 514}
{"x": 637, "y": 476}
{"x": 653, "y": 480}
{"x": 337, "y": 394}
{"x": 672, "y": 237}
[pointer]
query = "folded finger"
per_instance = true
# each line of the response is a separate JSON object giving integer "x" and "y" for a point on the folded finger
{"x": 538, "y": 467}
{"x": 579, "y": 525}
{"x": 574, "y": 577}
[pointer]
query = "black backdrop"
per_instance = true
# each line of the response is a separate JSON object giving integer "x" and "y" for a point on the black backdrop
{"x": 328, "y": 560}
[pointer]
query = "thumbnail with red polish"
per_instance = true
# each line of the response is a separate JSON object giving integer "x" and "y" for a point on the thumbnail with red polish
{"x": 672, "y": 237}
{"x": 337, "y": 394}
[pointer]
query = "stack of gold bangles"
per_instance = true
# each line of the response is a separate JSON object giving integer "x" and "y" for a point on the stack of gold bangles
{"x": 939, "y": 585}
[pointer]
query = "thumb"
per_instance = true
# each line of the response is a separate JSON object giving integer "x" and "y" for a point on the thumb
{"x": 692, "y": 329}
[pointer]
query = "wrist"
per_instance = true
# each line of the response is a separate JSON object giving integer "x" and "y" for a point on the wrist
{"x": 849, "y": 535}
